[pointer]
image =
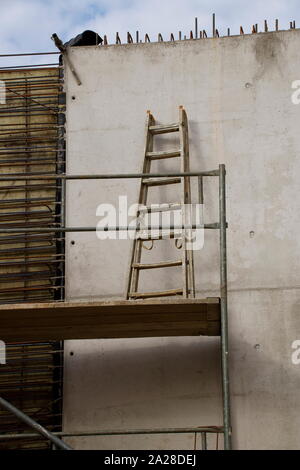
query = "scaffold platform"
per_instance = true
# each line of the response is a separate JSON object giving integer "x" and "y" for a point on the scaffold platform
{"x": 109, "y": 319}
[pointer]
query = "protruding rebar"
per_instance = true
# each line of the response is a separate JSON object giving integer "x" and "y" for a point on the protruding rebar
{"x": 214, "y": 25}
{"x": 266, "y": 26}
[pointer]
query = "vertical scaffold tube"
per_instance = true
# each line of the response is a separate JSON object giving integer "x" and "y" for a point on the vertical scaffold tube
{"x": 224, "y": 312}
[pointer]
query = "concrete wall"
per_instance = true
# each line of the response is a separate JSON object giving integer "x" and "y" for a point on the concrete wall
{"x": 237, "y": 93}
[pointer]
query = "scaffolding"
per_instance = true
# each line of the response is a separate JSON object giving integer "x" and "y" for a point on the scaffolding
{"x": 221, "y": 225}
{"x": 198, "y": 308}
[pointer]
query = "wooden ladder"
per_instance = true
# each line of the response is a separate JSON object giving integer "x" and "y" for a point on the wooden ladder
{"x": 186, "y": 261}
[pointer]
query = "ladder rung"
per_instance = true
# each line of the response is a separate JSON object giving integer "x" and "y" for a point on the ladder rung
{"x": 164, "y": 236}
{"x": 160, "y": 181}
{"x": 163, "y": 154}
{"x": 160, "y": 208}
{"x": 164, "y": 264}
{"x": 164, "y": 129}
{"x": 145, "y": 295}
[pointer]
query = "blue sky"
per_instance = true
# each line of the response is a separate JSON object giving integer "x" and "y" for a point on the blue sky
{"x": 26, "y": 25}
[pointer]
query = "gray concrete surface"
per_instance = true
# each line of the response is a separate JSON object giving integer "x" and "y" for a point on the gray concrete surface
{"x": 237, "y": 93}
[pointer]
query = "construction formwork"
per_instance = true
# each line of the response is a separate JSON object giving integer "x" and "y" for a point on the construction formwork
{"x": 31, "y": 265}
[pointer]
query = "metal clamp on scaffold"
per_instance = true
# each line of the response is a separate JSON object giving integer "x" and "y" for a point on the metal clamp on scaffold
{"x": 59, "y": 44}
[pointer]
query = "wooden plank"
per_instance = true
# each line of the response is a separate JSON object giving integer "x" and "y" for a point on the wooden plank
{"x": 163, "y": 154}
{"x": 145, "y": 295}
{"x": 164, "y": 129}
{"x": 163, "y": 264}
{"x": 109, "y": 319}
{"x": 160, "y": 181}
{"x": 165, "y": 207}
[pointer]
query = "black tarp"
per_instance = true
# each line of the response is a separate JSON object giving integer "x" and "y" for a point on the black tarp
{"x": 87, "y": 38}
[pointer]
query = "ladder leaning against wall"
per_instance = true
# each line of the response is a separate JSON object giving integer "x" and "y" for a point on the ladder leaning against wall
{"x": 186, "y": 260}
{"x": 186, "y": 263}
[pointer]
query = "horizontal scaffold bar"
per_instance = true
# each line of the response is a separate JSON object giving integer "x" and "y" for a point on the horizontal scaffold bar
{"x": 108, "y": 176}
{"x": 29, "y": 53}
{"x": 119, "y": 432}
{"x": 117, "y": 228}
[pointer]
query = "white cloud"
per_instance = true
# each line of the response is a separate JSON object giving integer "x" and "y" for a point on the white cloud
{"x": 26, "y": 25}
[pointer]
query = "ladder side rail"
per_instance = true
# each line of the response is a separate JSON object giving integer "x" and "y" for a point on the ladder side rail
{"x": 187, "y": 255}
{"x": 188, "y": 197}
{"x": 136, "y": 249}
{"x": 183, "y": 216}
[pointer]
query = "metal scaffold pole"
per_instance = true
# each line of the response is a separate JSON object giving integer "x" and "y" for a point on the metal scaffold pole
{"x": 224, "y": 311}
{"x": 34, "y": 425}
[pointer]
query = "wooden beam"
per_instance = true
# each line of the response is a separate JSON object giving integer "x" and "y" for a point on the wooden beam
{"x": 109, "y": 319}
